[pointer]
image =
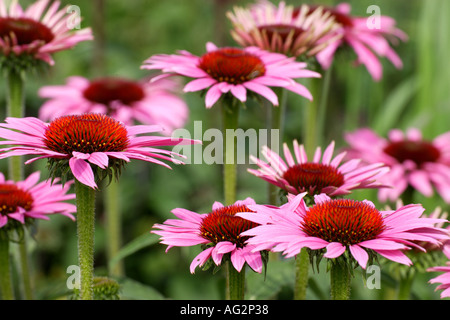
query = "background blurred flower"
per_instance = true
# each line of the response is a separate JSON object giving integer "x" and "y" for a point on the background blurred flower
{"x": 322, "y": 174}
{"x": 302, "y": 31}
{"x": 31, "y": 32}
{"x": 30, "y": 199}
{"x": 368, "y": 41}
{"x": 414, "y": 161}
{"x": 234, "y": 70}
{"x": 123, "y": 99}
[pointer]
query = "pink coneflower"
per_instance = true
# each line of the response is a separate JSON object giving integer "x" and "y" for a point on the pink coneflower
{"x": 414, "y": 161}
{"x": 369, "y": 41}
{"x": 234, "y": 70}
{"x": 80, "y": 141}
{"x": 30, "y": 199}
{"x": 30, "y": 32}
{"x": 292, "y": 31}
{"x": 123, "y": 99}
{"x": 338, "y": 225}
{"x": 220, "y": 230}
{"x": 324, "y": 174}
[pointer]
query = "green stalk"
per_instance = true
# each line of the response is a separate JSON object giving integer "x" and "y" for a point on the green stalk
{"x": 340, "y": 281}
{"x": 404, "y": 287}
{"x": 85, "y": 201}
{"x": 15, "y": 109}
{"x": 230, "y": 113}
{"x": 276, "y": 122}
{"x": 113, "y": 227}
{"x": 5, "y": 271}
{"x": 25, "y": 269}
{"x": 235, "y": 283}
{"x": 301, "y": 274}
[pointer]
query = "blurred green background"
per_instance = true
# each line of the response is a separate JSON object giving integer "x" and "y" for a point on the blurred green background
{"x": 127, "y": 33}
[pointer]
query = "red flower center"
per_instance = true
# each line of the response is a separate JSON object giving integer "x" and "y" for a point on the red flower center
{"x": 86, "y": 133}
{"x": 107, "y": 90}
{"x": 313, "y": 177}
{"x": 232, "y": 65}
{"x": 11, "y": 197}
{"x": 417, "y": 151}
{"x": 25, "y": 30}
{"x": 223, "y": 225}
{"x": 345, "y": 221}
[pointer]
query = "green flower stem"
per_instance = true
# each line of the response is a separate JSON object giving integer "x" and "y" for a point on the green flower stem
{"x": 316, "y": 112}
{"x": 113, "y": 227}
{"x": 276, "y": 122}
{"x": 340, "y": 281}
{"x": 301, "y": 274}
{"x": 5, "y": 271}
{"x": 85, "y": 201}
{"x": 25, "y": 269}
{"x": 16, "y": 109}
{"x": 404, "y": 286}
{"x": 230, "y": 113}
{"x": 235, "y": 283}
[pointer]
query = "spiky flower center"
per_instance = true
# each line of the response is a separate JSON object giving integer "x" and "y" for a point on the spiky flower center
{"x": 107, "y": 90}
{"x": 86, "y": 133}
{"x": 419, "y": 152}
{"x": 223, "y": 225}
{"x": 11, "y": 198}
{"x": 313, "y": 177}
{"x": 345, "y": 221}
{"x": 25, "y": 30}
{"x": 232, "y": 65}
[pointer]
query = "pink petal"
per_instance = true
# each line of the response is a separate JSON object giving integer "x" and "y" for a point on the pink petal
{"x": 82, "y": 171}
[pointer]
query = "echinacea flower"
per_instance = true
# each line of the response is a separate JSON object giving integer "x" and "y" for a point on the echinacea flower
{"x": 234, "y": 70}
{"x": 220, "y": 231}
{"x": 340, "y": 225}
{"x": 368, "y": 39}
{"x": 322, "y": 174}
{"x": 123, "y": 99}
{"x": 24, "y": 201}
{"x": 414, "y": 161}
{"x": 74, "y": 143}
{"x": 285, "y": 29}
{"x": 32, "y": 33}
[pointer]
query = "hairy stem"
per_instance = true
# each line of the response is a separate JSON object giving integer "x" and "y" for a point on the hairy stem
{"x": 230, "y": 113}
{"x": 235, "y": 283}
{"x": 85, "y": 201}
{"x": 5, "y": 270}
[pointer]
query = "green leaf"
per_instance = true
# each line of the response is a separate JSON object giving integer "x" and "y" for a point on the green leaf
{"x": 145, "y": 240}
{"x": 279, "y": 274}
{"x": 134, "y": 290}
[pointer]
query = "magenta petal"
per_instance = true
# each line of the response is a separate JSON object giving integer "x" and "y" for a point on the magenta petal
{"x": 200, "y": 259}
{"x": 360, "y": 255}
{"x": 237, "y": 259}
{"x": 82, "y": 171}
{"x": 334, "y": 250}
{"x": 100, "y": 159}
